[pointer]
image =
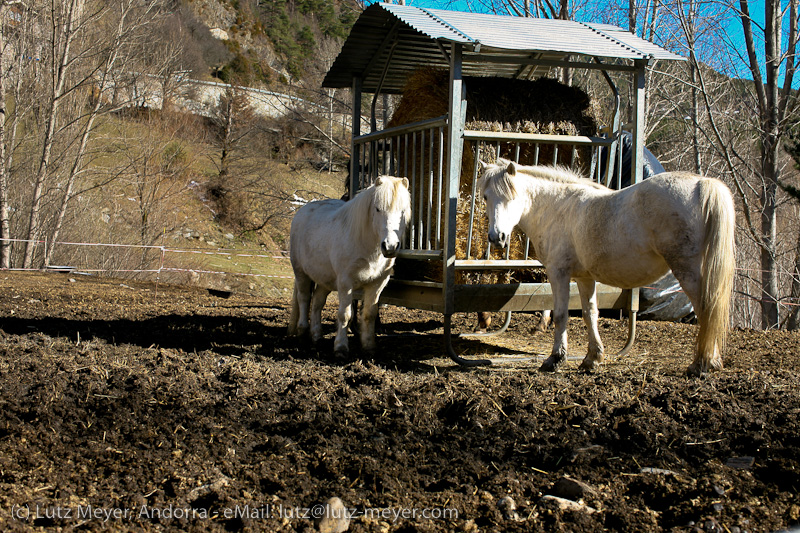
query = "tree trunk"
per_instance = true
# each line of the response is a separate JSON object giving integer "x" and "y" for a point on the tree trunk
{"x": 653, "y": 18}
{"x": 793, "y": 322}
{"x": 62, "y": 211}
{"x": 773, "y": 105}
{"x": 5, "y": 229}
{"x": 632, "y": 16}
{"x": 769, "y": 266}
{"x": 769, "y": 166}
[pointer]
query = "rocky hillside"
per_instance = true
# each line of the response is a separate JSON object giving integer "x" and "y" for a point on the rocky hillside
{"x": 264, "y": 43}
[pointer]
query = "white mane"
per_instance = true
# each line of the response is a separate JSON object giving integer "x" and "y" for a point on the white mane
{"x": 502, "y": 183}
{"x": 387, "y": 194}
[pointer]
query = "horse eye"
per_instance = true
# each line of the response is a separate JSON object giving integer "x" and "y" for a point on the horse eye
{"x": 378, "y": 209}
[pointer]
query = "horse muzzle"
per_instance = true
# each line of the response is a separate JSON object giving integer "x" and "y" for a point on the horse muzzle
{"x": 389, "y": 250}
{"x": 498, "y": 238}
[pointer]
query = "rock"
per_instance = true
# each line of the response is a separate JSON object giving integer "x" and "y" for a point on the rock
{"x": 335, "y": 517}
{"x": 741, "y": 463}
{"x": 665, "y": 472}
{"x": 470, "y": 527}
{"x": 563, "y": 504}
{"x": 220, "y": 34}
{"x": 393, "y": 400}
{"x": 508, "y": 508}
{"x": 203, "y": 490}
{"x": 572, "y": 489}
{"x": 582, "y": 454}
{"x": 658, "y": 471}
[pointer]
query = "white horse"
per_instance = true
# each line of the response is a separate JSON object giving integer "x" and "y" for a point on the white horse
{"x": 346, "y": 246}
{"x": 628, "y": 238}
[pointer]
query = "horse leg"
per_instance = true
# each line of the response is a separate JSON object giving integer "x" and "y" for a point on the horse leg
{"x": 484, "y": 321}
{"x": 544, "y": 322}
{"x": 369, "y": 314}
{"x": 559, "y": 283}
{"x": 318, "y": 300}
{"x": 298, "y": 320}
{"x": 688, "y": 275}
{"x": 594, "y": 356}
{"x": 340, "y": 347}
{"x": 294, "y": 315}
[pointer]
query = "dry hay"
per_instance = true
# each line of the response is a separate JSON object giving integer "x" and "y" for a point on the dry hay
{"x": 542, "y": 106}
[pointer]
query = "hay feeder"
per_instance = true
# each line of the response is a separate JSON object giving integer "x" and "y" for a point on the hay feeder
{"x": 389, "y": 44}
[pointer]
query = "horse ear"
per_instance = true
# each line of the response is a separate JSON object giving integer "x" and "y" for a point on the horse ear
{"x": 482, "y": 166}
{"x": 511, "y": 169}
{"x": 379, "y": 180}
{"x": 405, "y": 182}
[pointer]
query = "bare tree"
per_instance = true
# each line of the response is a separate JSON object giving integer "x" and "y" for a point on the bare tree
{"x": 156, "y": 171}
{"x": 5, "y": 227}
{"x": 776, "y": 103}
{"x": 232, "y": 124}
{"x": 705, "y": 118}
{"x": 117, "y": 40}
{"x": 65, "y": 22}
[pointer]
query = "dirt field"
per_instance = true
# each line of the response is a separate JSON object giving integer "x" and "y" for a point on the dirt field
{"x": 127, "y": 406}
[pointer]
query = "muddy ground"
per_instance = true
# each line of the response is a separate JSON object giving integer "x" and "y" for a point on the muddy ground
{"x": 130, "y": 406}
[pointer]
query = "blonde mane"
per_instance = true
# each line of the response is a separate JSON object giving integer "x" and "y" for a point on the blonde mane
{"x": 503, "y": 184}
{"x": 386, "y": 194}
{"x": 390, "y": 196}
{"x": 499, "y": 182}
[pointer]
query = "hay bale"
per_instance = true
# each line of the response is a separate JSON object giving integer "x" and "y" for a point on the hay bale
{"x": 543, "y": 106}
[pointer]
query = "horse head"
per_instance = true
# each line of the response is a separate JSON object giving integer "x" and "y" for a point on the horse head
{"x": 503, "y": 205}
{"x": 391, "y": 212}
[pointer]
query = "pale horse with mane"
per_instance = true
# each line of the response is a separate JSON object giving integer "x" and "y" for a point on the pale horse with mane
{"x": 346, "y": 246}
{"x": 629, "y": 238}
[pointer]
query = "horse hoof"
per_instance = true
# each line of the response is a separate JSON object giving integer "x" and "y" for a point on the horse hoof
{"x": 695, "y": 370}
{"x": 549, "y": 366}
{"x": 369, "y": 352}
{"x": 341, "y": 352}
{"x": 589, "y": 367}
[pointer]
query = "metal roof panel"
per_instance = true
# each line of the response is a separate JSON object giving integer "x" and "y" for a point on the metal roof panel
{"x": 420, "y": 32}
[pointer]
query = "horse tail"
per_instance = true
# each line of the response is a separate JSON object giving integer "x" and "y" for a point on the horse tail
{"x": 718, "y": 267}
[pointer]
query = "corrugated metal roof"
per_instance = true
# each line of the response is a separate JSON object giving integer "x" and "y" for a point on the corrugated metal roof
{"x": 401, "y": 38}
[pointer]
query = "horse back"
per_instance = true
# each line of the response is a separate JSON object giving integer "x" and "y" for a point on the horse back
{"x": 628, "y": 237}
{"x": 314, "y": 217}
{"x": 670, "y": 206}
{"x": 314, "y": 232}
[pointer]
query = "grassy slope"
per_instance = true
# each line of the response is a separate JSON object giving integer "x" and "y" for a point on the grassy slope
{"x": 248, "y": 259}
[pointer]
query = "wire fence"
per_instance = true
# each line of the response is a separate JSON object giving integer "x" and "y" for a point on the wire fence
{"x": 164, "y": 252}
{"x": 161, "y": 260}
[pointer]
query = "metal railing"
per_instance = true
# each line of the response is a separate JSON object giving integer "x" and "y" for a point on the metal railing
{"x": 417, "y": 151}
